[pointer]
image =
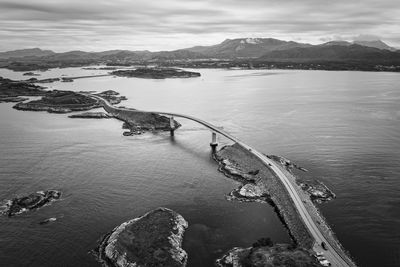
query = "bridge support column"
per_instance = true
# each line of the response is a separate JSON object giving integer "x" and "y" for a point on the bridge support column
{"x": 172, "y": 125}
{"x": 213, "y": 143}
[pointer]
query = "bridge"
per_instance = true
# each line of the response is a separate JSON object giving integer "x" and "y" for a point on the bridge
{"x": 335, "y": 256}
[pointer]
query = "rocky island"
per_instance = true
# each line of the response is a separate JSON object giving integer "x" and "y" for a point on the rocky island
{"x": 11, "y": 88}
{"x": 60, "y": 102}
{"x": 156, "y": 73}
{"x": 154, "y": 239}
{"x": 33, "y": 201}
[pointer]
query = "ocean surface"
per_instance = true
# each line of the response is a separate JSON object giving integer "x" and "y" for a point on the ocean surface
{"x": 344, "y": 127}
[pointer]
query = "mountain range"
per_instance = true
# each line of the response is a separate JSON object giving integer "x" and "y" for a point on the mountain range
{"x": 253, "y": 49}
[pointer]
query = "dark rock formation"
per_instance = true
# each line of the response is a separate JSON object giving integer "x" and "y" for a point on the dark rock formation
{"x": 49, "y": 80}
{"x": 65, "y": 80}
{"x": 111, "y": 96}
{"x": 318, "y": 191}
{"x": 60, "y": 102}
{"x": 31, "y": 74}
{"x": 19, "y": 88}
{"x": 12, "y": 99}
{"x": 91, "y": 115}
{"x": 32, "y": 201}
{"x": 156, "y": 73}
{"x": 154, "y": 239}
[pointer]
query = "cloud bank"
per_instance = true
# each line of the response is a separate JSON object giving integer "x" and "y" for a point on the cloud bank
{"x": 98, "y": 25}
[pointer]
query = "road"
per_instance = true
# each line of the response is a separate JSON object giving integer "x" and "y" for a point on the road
{"x": 333, "y": 256}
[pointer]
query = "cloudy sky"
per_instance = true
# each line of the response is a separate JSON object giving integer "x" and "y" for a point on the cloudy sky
{"x": 97, "y": 25}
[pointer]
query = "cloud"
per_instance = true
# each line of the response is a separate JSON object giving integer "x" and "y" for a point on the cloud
{"x": 171, "y": 24}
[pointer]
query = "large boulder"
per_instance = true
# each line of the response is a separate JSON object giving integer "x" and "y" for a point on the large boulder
{"x": 154, "y": 239}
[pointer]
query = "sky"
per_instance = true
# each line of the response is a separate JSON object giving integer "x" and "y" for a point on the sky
{"x": 98, "y": 25}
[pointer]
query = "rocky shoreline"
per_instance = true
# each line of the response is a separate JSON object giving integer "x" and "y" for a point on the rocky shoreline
{"x": 240, "y": 165}
{"x": 91, "y": 115}
{"x": 265, "y": 253}
{"x": 247, "y": 169}
{"x": 317, "y": 190}
{"x": 154, "y": 239}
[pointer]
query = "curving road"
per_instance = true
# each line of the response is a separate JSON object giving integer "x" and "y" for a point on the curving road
{"x": 333, "y": 256}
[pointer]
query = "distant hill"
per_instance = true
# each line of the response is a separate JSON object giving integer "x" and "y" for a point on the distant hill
{"x": 377, "y": 44}
{"x": 32, "y": 52}
{"x": 244, "y": 48}
{"x": 333, "y": 52}
{"x": 342, "y": 43}
{"x": 177, "y": 54}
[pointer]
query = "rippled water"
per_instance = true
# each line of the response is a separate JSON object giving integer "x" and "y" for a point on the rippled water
{"x": 342, "y": 126}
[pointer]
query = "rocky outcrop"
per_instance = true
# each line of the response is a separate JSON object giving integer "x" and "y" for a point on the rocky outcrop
{"x": 155, "y": 239}
{"x": 267, "y": 255}
{"x": 31, "y": 74}
{"x": 318, "y": 191}
{"x": 156, "y": 73}
{"x": 111, "y": 96}
{"x": 91, "y": 115}
{"x": 250, "y": 190}
{"x": 33, "y": 201}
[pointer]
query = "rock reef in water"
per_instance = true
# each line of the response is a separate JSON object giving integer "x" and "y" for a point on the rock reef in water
{"x": 260, "y": 255}
{"x": 31, "y": 74}
{"x": 155, "y": 239}
{"x": 156, "y": 73}
{"x": 91, "y": 115}
{"x": 32, "y": 201}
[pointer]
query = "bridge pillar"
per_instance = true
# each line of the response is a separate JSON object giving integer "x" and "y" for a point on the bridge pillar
{"x": 171, "y": 125}
{"x": 213, "y": 143}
